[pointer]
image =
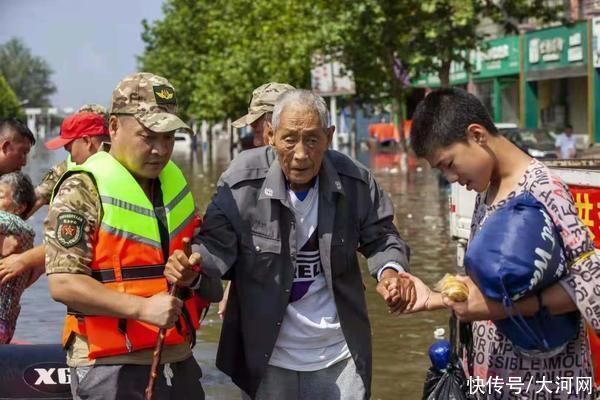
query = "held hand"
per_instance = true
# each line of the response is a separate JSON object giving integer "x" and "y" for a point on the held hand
{"x": 477, "y": 307}
{"x": 424, "y": 295}
{"x": 397, "y": 290}
{"x": 183, "y": 267}
{"x": 11, "y": 267}
{"x": 162, "y": 310}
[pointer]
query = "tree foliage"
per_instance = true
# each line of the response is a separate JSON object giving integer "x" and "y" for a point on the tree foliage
{"x": 386, "y": 39}
{"x": 449, "y": 29}
{"x": 216, "y": 53}
{"x": 27, "y": 75}
{"x": 9, "y": 104}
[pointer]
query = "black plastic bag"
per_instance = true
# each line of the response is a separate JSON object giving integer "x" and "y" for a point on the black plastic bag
{"x": 431, "y": 380}
{"x": 450, "y": 383}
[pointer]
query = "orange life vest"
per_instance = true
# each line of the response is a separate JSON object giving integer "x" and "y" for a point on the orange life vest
{"x": 128, "y": 256}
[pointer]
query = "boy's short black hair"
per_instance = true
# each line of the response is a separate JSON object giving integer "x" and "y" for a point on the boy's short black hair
{"x": 23, "y": 192}
{"x": 442, "y": 118}
{"x": 17, "y": 126}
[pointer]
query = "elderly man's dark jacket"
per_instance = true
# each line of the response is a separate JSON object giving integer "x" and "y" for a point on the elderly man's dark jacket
{"x": 248, "y": 235}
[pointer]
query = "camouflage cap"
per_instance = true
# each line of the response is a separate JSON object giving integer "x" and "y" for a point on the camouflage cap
{"x": 95, "y": 108}
{"x": 151, "y": 100}
{"x": 263, "y": 101}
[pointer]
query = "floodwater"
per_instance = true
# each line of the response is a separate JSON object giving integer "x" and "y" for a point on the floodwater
{"x": 400, "y": 343}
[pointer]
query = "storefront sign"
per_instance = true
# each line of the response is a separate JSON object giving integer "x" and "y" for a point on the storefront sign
{"x": 596, "y": 41}
{"x": 499, "y": 57}
{"x": 556, "y": 47}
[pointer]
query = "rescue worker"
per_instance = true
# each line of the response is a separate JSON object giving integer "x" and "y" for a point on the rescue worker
{"x": 260, "y": 111}
{"x": 112, "y": 224}
{"x": 81, "y": 142}
{"x": 81, "y": 135}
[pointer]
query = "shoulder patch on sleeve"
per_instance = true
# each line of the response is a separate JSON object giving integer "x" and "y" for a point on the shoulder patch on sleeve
{"x": 69, "y": 228}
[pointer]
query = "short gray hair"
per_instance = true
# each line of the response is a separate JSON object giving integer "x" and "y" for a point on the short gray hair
{"x": 23, "y": 192}
{"x": 303, "y": 98}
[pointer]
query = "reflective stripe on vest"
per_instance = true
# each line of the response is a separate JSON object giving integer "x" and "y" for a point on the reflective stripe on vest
{"x": 70, "y": 163}
{"x": 128, "y": 255}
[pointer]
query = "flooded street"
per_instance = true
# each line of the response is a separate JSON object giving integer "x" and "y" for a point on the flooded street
{"x": 399, "y": 343}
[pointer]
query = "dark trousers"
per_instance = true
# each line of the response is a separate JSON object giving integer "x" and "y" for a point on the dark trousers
{"x": 176, "y": 381}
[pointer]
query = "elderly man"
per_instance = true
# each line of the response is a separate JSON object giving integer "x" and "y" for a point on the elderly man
{"x": 285, "y": 225}
{"x": 112, "y": 224}
{"x": 260, "y": 110}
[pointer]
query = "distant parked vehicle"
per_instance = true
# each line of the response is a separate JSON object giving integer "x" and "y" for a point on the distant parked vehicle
{"x": 538, "y": 143}
{"x": 183, "y": 142}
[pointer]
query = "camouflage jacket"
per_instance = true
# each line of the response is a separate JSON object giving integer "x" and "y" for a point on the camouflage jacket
{"x": 44, "y": 189}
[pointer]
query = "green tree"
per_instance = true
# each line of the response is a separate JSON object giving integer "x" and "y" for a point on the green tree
{"x": 385, "y": 41}
{"x": 28, "y": 75}
{"x": 382, "y": 40}
{"x": 216, "y": 53}
{"x": 449, "y": 29}
{"x": 9, "y": 104}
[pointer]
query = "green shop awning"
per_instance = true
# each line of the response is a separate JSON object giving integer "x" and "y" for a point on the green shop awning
{"x": 556, "y": 53}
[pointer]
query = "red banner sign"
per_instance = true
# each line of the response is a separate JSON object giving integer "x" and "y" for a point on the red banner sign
{"x": 587, "y": 201}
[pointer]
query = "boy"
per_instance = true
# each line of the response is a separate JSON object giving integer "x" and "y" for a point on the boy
{"x": 454, "y": 132}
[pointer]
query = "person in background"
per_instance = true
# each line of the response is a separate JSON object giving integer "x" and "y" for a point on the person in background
{"x": 260, "y": 111}
{"x": 79, "y": 144}
{"x": 17, "y": 196}
{"x": 15, "y": 143}
{"x": 566, "y": 144}
{"x": 82, "y": 135}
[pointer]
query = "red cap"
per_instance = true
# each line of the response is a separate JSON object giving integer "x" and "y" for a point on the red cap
{"x": 77, "y": 126}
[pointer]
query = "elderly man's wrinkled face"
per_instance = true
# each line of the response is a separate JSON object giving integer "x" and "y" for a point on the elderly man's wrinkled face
{"x": 301, "y": 143}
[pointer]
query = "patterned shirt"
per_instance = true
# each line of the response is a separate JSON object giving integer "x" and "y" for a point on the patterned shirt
{"x": 11, "y": 291}
{"x": 495, "y": 359}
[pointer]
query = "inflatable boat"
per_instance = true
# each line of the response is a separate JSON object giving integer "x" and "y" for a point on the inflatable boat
{"x": 33, "y": 371}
